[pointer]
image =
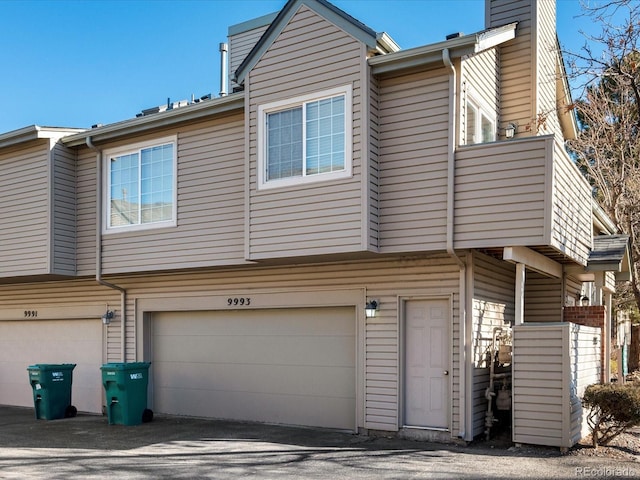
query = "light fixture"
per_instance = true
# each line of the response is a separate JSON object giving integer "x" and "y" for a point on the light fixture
{"x": 107, "y": 317}
{"x": 371, "y": 308}
{"x": 584, "y": 301}
{"x": 510, "y": 130}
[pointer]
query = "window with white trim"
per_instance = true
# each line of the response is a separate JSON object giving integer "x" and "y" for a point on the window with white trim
{"x": 480, "y": 127}
{"x": 141, "y": 186}
{"x": 305, "y": 139}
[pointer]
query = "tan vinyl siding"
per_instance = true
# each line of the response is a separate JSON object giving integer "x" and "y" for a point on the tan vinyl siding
{"x": 542, "y": 298}
{"x": 480, "y": 82}
{"x": 210, "y": 207}
{"x": 517, "y": 58}
{"x": 24, "y": 217}
{"x": 500, "y": 193}
{"x": 239, "y": 47}
{"x": 325, "y": 217}
{"x": 413, "y": 118}
{"x": 571, "y": 225}
{"x": 374, "y": 165}
{"x": 547, "y": 77}
{"x": 64, "y": 210}
{"x": 548, "y": 379}
{"x": 493, "y": 306}
{"x": 86, "y": 212}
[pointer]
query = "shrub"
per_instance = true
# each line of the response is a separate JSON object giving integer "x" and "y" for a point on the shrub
{"x": 614, "y": 409}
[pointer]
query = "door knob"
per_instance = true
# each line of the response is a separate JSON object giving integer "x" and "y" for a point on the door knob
{"x": 446, "y": 372}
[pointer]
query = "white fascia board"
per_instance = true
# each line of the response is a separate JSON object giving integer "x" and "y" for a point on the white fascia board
{"x": 35, "y": 132}
{"x": 495, "y": 36}
{"x": 533, "y": 260}
{"x": 167, "y": 118}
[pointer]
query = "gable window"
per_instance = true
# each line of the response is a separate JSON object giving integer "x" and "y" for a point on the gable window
{"x": 305, "y": 139}
{"x": 479, "y": 125}
{"x": 141, "y": 186}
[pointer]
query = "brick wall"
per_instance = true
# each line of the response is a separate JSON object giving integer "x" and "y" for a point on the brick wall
{"x": 591, "y": 316}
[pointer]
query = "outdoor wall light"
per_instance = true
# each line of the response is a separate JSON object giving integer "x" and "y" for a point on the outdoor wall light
{"x": 584, "y": 301}
{"x": 371, "y": 308}
{"x": 510, "y": 130}
{"x": 107, "y": 317}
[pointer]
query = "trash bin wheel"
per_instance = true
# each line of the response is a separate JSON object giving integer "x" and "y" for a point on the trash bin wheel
{"x": 70, "y": 412}
{"x": 147, "y": 415}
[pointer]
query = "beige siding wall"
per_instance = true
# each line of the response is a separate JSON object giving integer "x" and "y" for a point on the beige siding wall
{"x": 493, "y": 306}
{"x": 413, "y": 118}
{"x": 310, "y": 55}
{"x": 542, "y": 298}
{"x": 373, "y": 193}
{"x": 500, "y": 191}
{"x": 552, "y": 365}
{"x": 547, "y": 75}
{"x": 210, "y": 206}
{"x": 480, "y": 82}
{"x": 24, "y": 216}
{"x": 63, "y": 205}
{"x": 239, "y": 47}
{"x": 571, "y": 216}
{"x": 379, "y": 347}
{"x": 517, "y": 81}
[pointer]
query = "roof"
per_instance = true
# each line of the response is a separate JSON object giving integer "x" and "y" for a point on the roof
{"x": 610, "y": 253}
{"x": 457, "y": 47}
{"x": 34, "y": 132}
{"x": 332, "y": 13}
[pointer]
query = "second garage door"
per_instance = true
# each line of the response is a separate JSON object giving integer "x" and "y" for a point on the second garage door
{"x": 289, "y": 366}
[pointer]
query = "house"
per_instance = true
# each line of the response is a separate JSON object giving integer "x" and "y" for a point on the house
{"x": 236, "y": 242}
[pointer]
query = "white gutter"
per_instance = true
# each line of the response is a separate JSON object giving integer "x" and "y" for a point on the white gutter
{"x": 466, "y": 422}
{"x": 123, "y": 292}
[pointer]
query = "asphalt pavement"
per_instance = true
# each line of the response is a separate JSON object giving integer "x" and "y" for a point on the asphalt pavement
{"x": 87, "y": 447}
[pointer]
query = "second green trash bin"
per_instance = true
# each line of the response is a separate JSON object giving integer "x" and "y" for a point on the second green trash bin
{"x": 125, "y": 386}
{"x": 51, "y": 384}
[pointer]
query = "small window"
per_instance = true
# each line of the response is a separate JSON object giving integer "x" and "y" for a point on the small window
{"x": 141, "y": 186}
{"x": 479, "y": 126}
{"x": 305, "y": 139}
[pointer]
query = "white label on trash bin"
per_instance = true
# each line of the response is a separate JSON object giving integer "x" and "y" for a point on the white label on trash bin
{"x": 135, "y": 376}
{"x": 38, "y": 386}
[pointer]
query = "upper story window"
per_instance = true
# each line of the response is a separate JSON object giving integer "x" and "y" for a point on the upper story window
{"x": 141, "y": 186}
{"x": 480, "y": 125}
{"x": 305, "y": 139}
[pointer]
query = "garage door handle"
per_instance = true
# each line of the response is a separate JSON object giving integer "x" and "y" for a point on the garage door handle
{"x": 446, "y": 372}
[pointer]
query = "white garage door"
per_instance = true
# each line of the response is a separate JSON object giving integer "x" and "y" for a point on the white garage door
{"x": 288, "y": 366}
{"x": 24, "y": 343}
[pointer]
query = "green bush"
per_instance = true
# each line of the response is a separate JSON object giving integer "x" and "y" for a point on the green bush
{"x": 614, "y": 409}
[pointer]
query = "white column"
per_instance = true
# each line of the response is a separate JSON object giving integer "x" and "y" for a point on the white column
{"x": 520, "y": 280}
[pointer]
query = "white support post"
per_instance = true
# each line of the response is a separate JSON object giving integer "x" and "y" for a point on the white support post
{"x": 520, "y": 280}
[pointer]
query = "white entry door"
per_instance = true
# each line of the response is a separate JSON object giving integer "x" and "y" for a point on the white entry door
{"x": 426, "y": 372}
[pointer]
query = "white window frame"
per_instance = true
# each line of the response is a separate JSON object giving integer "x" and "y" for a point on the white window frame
{"x": 264, "y": 110}
{"x": 483, "y": 110}
{"x": 106, "y": 185}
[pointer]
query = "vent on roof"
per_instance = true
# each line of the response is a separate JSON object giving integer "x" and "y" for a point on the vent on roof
{"x": 172, "y": 105}
{"x": 451, "y": 36}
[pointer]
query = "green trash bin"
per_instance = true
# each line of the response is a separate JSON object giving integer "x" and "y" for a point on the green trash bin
{"x": 125, "y": 386}
{"x": 51, "y": 386}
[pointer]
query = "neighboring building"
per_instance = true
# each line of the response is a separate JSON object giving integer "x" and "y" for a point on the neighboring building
{"x": 237, "y": 240}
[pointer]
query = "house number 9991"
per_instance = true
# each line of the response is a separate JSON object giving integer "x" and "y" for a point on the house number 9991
{"x": 241, "y": 301}
{"x": 30, "y": 313}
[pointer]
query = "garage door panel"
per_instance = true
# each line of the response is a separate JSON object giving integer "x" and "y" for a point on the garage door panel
{"x": 281, "y": 366}
{"x": 272, "y": 408}
{"x": 24, "y": 343}
{"x": 273, "y": 350}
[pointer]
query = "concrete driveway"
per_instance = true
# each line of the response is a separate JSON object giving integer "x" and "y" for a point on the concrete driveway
{"x": 86, "y": 447}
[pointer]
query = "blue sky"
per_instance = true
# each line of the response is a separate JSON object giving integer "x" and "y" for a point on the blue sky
{"x": 75, "y": 63}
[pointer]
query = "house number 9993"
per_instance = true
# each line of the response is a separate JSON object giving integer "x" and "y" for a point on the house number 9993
{"x": 239, "y": 301}
{"x": 30, "y": 313}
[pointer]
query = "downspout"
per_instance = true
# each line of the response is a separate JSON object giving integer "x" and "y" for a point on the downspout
{"x": 123, "y": 292}
{"x": 466, "y": 431}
